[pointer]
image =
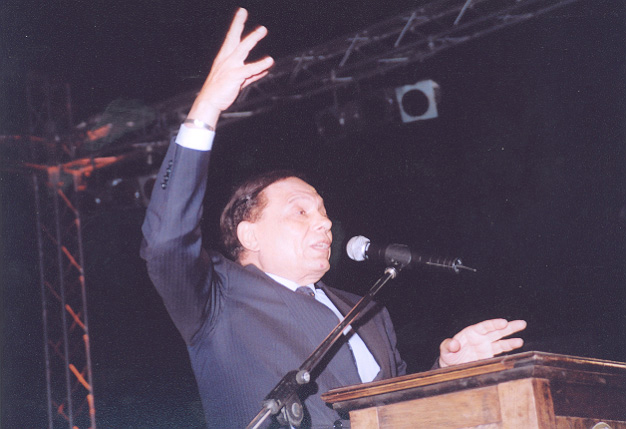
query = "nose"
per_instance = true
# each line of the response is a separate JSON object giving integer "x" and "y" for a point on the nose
{"x": 323, "y": 222}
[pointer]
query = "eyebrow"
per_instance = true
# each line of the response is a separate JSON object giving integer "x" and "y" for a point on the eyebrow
{"x": 305, "y": 196}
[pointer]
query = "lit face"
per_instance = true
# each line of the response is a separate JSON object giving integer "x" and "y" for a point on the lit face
{"x": 292, "y": 236}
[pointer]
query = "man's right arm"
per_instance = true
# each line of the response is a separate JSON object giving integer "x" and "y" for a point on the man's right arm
{"x": 172, "y": 247}
{"x": 178, "y": 266}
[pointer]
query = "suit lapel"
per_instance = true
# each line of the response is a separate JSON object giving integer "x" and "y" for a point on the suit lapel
{"x": 316, "y": 321}
{"x": 368, "y": 331}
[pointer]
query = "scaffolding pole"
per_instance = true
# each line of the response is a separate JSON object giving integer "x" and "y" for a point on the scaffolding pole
{"x": 64, "y": 302}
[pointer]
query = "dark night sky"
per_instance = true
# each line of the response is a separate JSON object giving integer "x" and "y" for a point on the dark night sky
{"x": 522, "y": 175}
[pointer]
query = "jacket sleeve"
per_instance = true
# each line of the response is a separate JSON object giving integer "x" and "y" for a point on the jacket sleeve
{"x": 180, "y": 269}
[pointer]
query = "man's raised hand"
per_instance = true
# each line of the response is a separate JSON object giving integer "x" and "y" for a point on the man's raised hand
{"x": 230, "y": 73}
{"x": 481, "y": 341}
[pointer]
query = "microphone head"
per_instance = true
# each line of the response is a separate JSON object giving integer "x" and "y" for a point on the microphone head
{"x": 356, "y": 247}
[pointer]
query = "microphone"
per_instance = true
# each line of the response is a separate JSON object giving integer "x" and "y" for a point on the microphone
{"x": 360, "y": 248}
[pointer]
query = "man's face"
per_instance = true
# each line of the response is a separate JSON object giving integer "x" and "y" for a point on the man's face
{"x": 293, "y": 232}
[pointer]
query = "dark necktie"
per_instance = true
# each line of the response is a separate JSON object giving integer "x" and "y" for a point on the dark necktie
{"x": 305, "y": 290}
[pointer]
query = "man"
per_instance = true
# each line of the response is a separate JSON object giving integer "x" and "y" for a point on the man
{"x": 245, "y": 322}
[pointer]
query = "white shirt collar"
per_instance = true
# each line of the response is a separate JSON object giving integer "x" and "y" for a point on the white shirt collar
{"x": 289, "y": 284}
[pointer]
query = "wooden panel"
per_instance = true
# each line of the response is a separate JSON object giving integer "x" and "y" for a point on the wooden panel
{"x": 578, "y": 423}
{"x": 366, "y": 419}
{"x": 472, "y": 408}
{"x": 526, "y": 404}
{"x": 604, "y": 400}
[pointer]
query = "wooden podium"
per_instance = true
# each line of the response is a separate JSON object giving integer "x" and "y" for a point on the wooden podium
{"x": 527, "y": 390}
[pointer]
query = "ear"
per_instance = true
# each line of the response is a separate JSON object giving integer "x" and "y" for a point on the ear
{"x": 246, "y": 233}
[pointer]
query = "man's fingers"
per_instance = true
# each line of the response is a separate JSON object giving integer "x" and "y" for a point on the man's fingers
{"x": 487, "y": 326}
{"x": 233, "y": 37}
{"x": 249, "y": 73}
{"x": 507, "y": 345}
{"x": 243, "y": 49}
{"x": 253, "y": 69}
{"x": 254, "y": 78}
{"x": 450, "y": 345}
{"x": 511, "y": 328}
{"x": 444, "y": 347}
{"x": 516, "y": 326}
{"x": 498, "y": 328}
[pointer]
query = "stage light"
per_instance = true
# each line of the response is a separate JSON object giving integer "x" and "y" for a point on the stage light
{"x": 418, "y": 101}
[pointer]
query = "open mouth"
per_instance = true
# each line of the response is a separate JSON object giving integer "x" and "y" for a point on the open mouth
{"x": 322, "y": 245}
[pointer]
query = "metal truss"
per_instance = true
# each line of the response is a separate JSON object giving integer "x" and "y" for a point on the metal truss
{"x": 407, "y": 38}
{"x": 67, "y": 350}
{"x": 64, "y": 302}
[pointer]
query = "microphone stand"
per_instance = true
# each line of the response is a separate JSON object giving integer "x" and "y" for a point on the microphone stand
{"x": 284, "y": 396}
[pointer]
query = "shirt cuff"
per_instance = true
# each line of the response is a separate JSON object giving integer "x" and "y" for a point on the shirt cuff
{"x": 195, "y": 138}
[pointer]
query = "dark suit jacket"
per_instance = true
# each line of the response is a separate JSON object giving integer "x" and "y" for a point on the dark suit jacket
{"x": 243, "y": 330}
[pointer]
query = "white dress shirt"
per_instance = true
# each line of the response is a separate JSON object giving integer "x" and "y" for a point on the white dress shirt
{"x": 366, "y": 364}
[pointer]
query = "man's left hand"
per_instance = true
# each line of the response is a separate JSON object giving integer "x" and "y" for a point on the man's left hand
{"x": 481, "y": 341}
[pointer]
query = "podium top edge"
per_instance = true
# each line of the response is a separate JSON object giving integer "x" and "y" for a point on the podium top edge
{"x": 483, "y": 372}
